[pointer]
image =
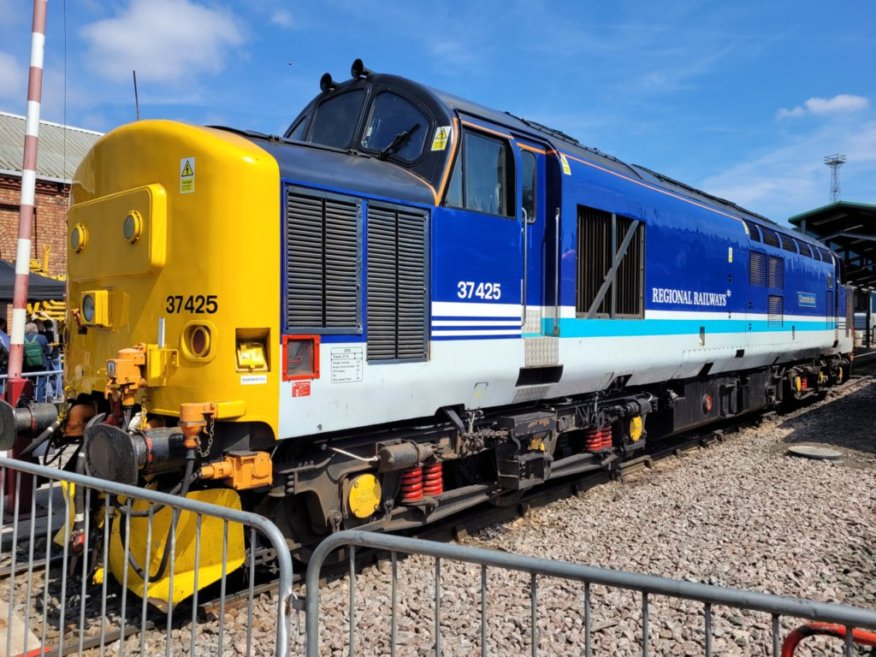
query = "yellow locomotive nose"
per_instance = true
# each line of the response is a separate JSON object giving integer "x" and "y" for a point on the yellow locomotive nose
{"x": 143, "y": 273}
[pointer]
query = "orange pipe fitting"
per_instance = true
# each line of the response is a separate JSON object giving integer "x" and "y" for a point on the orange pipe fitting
{"x": 193, "y": 419}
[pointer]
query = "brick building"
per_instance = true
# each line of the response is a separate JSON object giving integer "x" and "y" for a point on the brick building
{"x": 61, "y": 149}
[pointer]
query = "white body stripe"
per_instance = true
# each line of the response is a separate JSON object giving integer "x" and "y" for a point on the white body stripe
{"x": 459, "y": 309}
{"x": 482, "y": 373}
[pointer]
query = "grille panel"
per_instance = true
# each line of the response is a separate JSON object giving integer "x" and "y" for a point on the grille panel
{"x": 322, "y": 263}
{"x": 776, "y": 272}
{"x": 757, "y": 269}
{"x": 397, "y": 286}
{"x": 775, "y": 310}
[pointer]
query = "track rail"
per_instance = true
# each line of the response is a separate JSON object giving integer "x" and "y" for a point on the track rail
{"x": 459, "y": 527}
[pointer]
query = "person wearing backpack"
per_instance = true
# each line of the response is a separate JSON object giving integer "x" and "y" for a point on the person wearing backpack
{"x": 36, "y": 357}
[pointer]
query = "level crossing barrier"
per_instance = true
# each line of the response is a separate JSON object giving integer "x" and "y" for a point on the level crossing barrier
{"x": 60, "y": 600}
{"x": 648, "y": 588}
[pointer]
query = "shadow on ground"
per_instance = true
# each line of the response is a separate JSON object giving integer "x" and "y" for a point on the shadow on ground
{"x": 848, "y": 423}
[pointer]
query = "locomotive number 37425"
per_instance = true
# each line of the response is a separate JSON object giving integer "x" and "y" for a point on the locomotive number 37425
{"x": 198, "y": 304}
{"x": 474, "y": 290}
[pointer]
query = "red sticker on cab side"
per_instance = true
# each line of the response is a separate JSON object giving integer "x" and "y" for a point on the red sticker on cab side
{"x": 301, "y": 388}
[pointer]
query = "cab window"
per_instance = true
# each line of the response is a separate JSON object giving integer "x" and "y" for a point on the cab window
{"x": 395, "y": 128}
{"x": 337, "y": 118}
{"x": 298, "y": 132}
{"x": 482, "y": 178}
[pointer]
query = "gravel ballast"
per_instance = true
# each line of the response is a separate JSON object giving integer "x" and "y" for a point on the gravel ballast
{"x": 741, "y": 514}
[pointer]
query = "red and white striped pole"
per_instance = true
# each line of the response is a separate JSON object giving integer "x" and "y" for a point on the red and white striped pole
{"x": 28, "y": 191}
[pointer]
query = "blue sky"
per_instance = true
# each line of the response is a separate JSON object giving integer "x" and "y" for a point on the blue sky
{"x": 741, "y": 99}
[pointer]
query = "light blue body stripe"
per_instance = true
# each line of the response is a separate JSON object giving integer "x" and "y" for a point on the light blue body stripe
{"x": 606, "y": 328}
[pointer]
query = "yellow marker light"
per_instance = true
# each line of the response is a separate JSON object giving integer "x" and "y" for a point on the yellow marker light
{"x": 78, "y": 238}
{"x": 132, "y": 226}
{"x": 636, "y": 428}
{"x": 365, "y": 496}
{"x": 95, "y": 307}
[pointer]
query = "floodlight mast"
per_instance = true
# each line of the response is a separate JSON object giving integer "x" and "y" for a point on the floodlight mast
{"x": 835, "y": 162}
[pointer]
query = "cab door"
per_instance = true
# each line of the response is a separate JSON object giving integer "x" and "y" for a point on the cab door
{"x": 538, "y": 230}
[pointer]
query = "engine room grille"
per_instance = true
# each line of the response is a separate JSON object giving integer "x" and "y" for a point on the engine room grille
{"x": 397, "y": 286}
{"x": 757, "y": 269}
{"x": 788, "y": 243}
{"x": 775, "y": 310}
{"x": 322, "y": 263}
{"x": 601, "y": 237}
{"x": 776, "y": 272}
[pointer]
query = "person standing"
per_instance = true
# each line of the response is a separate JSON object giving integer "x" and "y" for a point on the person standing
{"x": 36, "y": 357}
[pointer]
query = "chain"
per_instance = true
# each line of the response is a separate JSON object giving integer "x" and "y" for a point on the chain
{"x": 211, "y": 426}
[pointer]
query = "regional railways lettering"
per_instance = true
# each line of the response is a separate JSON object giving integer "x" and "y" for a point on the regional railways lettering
{"x": 688, "y": 297}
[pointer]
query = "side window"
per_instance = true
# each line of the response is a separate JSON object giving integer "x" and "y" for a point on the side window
{"x": 528, "y": 176}
{"x": 337, "y": 119}
{"x": 483, "y": 176}
{"x": 604, "y": 291}
{"x": 395, "y": 127}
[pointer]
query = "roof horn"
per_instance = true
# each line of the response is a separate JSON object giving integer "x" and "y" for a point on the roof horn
{"x": 326, "y": 83}
{"x": 358, "y": 70}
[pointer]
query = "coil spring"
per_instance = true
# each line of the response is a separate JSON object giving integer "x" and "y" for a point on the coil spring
{"x": 598, "y": 439}
{"x": 412, "y": 485}
{"x": 804, "y": 383}
{"x": 433, "y": 479}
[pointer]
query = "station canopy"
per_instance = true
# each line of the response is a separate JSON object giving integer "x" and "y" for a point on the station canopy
{"x": 849, "y": 230}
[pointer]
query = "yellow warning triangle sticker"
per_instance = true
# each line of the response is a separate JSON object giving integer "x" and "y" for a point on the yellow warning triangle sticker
{"x": 187, "y": 169}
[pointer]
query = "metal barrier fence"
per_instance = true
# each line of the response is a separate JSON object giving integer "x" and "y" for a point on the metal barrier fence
{"x": 48, "y": 384}
{"x": 649, "y": 589}
{"x": 60, "y": 598}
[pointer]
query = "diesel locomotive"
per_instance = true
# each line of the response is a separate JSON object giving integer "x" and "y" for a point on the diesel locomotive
{"x": 406, "y": 305}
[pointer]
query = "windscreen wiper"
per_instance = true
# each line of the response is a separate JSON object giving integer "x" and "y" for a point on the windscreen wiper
{"x": 398, "y": 141}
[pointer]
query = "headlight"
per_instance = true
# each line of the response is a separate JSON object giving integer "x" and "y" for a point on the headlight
{"x": 78, "y": 238}
{"x": 94, "y": 308}
{"x": 132, "y": 226}
{"x": 88, "y": 308}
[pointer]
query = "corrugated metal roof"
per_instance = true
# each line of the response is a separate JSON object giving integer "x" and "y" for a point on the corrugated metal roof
{"x": 61, "y": 147}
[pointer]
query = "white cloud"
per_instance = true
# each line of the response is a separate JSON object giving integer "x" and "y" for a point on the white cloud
{"x": 793, "y": 177}
{"x": 164, "y": 40}
{"x": 282, "y": 18}
{"x": 840, "y": 104}
{"x": 11, "y": 78}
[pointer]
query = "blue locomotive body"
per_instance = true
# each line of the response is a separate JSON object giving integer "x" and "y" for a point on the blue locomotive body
{"x": 469, "y": 304}
{"x": 543, "y": 270}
